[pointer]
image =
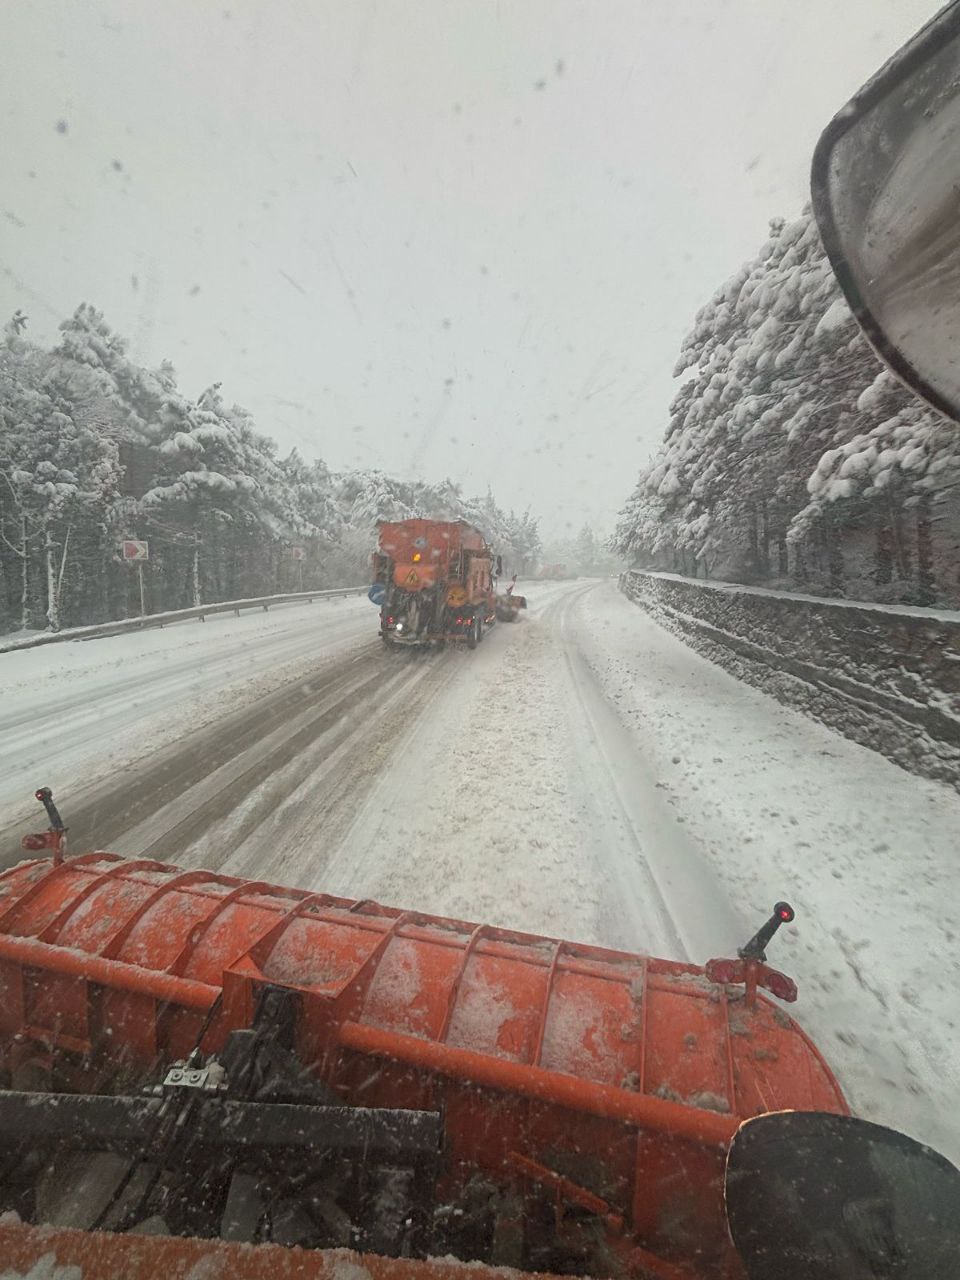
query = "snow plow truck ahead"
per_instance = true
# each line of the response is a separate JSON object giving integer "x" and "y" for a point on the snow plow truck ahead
{"x": 434, "y": 580}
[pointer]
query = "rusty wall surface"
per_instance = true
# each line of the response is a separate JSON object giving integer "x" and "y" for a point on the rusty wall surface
{"x": 887, "y": 677}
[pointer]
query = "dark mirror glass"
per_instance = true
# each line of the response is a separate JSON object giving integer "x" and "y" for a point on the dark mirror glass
{"x": 886, "y": 193}
{"x": 823, "y": 1197}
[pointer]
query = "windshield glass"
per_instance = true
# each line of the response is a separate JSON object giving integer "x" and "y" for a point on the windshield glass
{"x": 463, "y": 574}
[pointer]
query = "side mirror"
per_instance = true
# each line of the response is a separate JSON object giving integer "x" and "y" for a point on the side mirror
{"x": 812, "y": 1196}
{"x": 499, "y": 565}
{"x": 886, "y": 196}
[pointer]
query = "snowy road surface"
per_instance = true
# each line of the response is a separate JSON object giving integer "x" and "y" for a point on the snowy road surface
{"x": 582, "y": 774}
{"x": 85, "y": 709}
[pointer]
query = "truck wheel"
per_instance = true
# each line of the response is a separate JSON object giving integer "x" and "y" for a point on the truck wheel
{"x": 480, "y": 631}
{"x": 472, "y": 638}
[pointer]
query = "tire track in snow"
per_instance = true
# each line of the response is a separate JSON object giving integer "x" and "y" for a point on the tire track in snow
{"x": 466, "y": 821}
{"x": 310, "y": 803}
{"x": 77, "y": 713}
{"x": 661, "y": 893}
{"x": 521, "y": 802}
{"x": 168, "y": 795}
{"x": 230, "y": 801}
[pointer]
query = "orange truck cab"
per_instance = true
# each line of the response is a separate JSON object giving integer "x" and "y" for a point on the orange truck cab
{"x": 436, "y": 581}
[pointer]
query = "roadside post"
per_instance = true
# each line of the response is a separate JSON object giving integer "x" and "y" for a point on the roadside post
{"x": 299, "y": 554}
{"x": 136, "y": 551}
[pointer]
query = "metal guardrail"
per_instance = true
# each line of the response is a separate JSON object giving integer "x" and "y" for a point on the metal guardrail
{"x": 174, "y": 615}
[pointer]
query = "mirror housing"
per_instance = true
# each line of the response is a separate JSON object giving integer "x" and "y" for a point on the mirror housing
{"x": 885, "y": 187}
{"x": 813, "y": 1196}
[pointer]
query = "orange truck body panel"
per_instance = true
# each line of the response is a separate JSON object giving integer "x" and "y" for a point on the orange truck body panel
{"x": 425, "y": 553}
{"x": 443, "y": 539}
{"x": 541, "y": 1053}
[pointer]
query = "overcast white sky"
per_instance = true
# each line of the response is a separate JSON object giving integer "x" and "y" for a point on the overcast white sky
{"x": 441, "y": 237}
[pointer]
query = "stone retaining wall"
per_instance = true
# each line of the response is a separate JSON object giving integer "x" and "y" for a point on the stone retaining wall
{"x": 886, "y": 676}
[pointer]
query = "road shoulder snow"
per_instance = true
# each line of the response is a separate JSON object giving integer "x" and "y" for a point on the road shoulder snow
{"x": 783, "y": 807}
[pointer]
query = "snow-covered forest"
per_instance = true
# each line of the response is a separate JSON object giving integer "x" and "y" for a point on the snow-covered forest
{"x": 95, "y": 449}
{"x": 791, "y": 459}
{"x": 585, "y": 555}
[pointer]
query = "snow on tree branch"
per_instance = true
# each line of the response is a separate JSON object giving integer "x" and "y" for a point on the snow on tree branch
{"x": 788, "y": 448}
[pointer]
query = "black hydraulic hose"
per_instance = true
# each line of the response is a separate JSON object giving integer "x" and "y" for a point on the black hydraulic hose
{"x": 151, "y": 1137}
{"x": 133, "y": 1215}
{"x": 133, "y": 1166}
{"x": 211, "y": 1014}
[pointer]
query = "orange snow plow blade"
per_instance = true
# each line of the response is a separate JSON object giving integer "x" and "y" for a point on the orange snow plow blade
{"x": 552, "y": 1106}
{"x": 508, "y": 606}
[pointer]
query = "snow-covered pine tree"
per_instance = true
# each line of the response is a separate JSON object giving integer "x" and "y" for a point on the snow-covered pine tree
{"x": 60, "y": 475}
{"x": 788, "y": 451}
{"x": 94, "y": 448}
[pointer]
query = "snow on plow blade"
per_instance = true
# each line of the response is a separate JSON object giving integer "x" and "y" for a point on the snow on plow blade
{"x": 267, "y": 1064}
{"x": 102, "y": 1256}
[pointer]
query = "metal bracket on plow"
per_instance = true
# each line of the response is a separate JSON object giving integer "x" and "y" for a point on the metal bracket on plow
{"x": 125, "y": 1123}
{"x": 750, "y": 968}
